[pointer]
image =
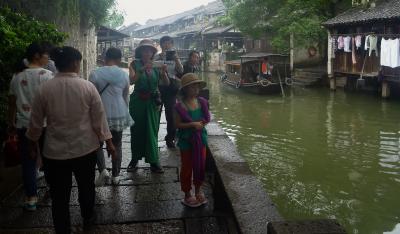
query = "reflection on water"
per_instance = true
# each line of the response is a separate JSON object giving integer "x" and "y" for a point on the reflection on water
{"x": 319, "y": 153}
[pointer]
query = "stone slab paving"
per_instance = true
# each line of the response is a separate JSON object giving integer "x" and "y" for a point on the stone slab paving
{"x": 143, "y": 202}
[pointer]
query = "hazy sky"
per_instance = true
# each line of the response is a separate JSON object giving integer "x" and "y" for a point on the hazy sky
{"x": 141, "y": 11}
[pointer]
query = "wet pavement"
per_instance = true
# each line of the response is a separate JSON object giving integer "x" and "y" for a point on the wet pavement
{"x": 143, "y": 202}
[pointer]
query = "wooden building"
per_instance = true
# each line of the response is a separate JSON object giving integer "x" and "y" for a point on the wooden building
{"x": 361, "y": 69}
{"x": 108, "y": 37}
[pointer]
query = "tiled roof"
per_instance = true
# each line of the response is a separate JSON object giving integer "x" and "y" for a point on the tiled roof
{"x": 130, "y": 28}
{"x": 218, "y": 30}
{"x": 211, "y": 8}
{"x": 108, "y": 34}
{"x": 384, "y": 10}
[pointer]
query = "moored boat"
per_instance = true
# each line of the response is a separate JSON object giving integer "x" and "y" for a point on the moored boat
{"x": 260, "y": 73}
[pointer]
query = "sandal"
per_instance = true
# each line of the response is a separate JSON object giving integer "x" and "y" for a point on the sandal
{"x": 201, "y": 199}
{"x": 191, "y": 202}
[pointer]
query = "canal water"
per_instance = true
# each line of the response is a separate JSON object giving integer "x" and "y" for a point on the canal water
{"x": 319, "y": 154}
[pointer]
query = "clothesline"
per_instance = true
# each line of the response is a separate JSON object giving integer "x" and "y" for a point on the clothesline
{"x": 370, "y": 33}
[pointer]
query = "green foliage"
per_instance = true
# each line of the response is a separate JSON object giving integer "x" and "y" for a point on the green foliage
{"x": 252, "y": 17}
{"x": 85, "y": 12}
{"x": 115, "y": 18}
{"x": 302, "y": 18}
{"x": 17, "y": 31}
{"x": 224, "y": 20}
{"x": 95, "y": 12}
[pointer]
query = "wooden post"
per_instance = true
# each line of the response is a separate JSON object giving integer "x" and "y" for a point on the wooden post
{"x": 291, "y": 53}
{"x": 331, "y": 76}
{"x": 385, "y": 89}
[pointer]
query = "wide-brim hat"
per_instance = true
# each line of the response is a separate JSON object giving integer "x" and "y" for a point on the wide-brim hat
{"x": 145, "y": 43}
{"x": 191, "y": 78}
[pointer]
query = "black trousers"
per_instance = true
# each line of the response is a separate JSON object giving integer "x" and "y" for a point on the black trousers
{"x": 169, "y": 100}
{"x": 58, "y": 175}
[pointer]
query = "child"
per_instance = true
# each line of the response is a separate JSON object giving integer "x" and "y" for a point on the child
{"x": 191, "y": 116}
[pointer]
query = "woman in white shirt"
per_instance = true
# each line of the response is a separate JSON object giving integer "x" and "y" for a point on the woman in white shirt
{"x": 23, "y": 88}
{"x": 113, "y": 85}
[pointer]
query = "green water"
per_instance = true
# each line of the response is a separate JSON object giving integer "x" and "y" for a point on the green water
{"x": 318, "y": 153}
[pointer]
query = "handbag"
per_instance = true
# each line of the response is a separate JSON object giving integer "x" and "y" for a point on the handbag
{"x": 11, "y": 153}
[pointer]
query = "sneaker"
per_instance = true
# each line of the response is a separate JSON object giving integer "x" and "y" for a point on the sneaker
{"x": 30, "y": 205}
{"x": 39, "y": 174}
{"x": 132, "y": 166}
{"x": 156, "y": 168}
{"x": 170, "y": 144}
{"x": 102, "y": 178}
{"x": 115, "y": 180}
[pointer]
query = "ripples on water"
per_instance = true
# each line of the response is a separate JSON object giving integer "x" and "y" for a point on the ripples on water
{"x": 319, "y": 154}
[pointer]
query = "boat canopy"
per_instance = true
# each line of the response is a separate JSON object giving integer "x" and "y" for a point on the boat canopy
{"x": 257, "y": 57}
{"x": 260, "y": 55}
{"x": 233, "y": 62}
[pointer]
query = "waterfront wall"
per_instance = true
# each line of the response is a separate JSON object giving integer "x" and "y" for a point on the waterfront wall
{"x": 251, "y": 205}
{"x": 236, "y": 188}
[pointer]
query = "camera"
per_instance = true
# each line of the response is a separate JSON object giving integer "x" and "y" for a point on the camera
{"x": 170, "y": 55}
{"x": 157, "y": 98}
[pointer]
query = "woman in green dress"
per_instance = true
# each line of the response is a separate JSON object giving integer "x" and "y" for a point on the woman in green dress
{"x": 144, "y": 106}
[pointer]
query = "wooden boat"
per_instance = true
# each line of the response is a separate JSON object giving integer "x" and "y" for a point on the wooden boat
{"x": 245, "y": 73}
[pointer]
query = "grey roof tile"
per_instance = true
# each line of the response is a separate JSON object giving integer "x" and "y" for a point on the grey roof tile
{"x": 384, "y": 10}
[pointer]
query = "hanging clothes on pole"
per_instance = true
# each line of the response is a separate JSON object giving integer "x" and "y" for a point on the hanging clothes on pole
{"x": 340, "y": 41}
{"x": 358, "y": 41}
{"x": 353, "y": 51}
{"x": 371, "y": 44}
{"x": 347, "y": 44}
{"x": 390, "y": 52}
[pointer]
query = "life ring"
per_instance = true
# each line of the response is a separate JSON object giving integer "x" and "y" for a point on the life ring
{"x": 312, "y": 51}
{"x": 265, "y": 83}
{"x": 238, "y": 84}
{"x": 288, "y": 81}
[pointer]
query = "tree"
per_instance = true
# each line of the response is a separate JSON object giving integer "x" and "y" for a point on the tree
{"x": 95, "y": 12}
{"x": 17, "y": 31}
{"x": 85, "y": 12}
{"x": 251, "y": 16}
{"x": 115, "y": 18}
{"x": 280, "y": 19}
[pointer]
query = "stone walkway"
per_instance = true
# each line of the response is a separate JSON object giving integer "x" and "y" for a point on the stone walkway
{"x": 143, "y": 203}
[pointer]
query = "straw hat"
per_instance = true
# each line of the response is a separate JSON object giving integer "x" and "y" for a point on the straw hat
{"x": 145, "y": 43}
{"x": 191, "y": 78}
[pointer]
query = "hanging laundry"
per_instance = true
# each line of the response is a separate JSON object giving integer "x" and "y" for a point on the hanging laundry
{"x": 395, "y": 53}
{"x": 353, "y": 50}
{"x": 347, "y": 44}
{"x": 340, "y": 43}
{"x": 385, "y": 52}
{"x": 358, "y": 40}
{"x": 390, "y": 52}
{"x": 371, "y": 44}
{"x": 334, "y": 44}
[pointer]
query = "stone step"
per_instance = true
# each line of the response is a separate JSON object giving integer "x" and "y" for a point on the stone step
{"x": 309, "y": 74}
